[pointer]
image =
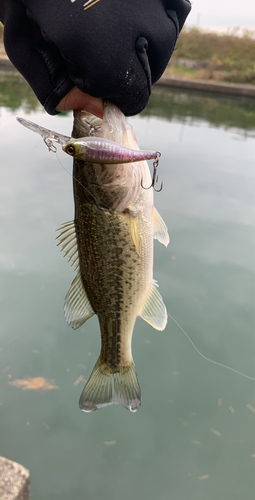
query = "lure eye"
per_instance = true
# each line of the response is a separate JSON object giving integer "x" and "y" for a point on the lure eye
{"x": 70, "y": 150}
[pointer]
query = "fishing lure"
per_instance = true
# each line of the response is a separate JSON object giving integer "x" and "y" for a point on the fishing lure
{"x": 92, "y": 149}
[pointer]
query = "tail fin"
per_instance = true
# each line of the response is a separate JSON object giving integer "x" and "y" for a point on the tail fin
{"x": 107, "y": 388}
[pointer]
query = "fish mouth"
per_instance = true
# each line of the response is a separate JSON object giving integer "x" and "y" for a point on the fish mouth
{"x": 87, "y": 123}
{"x": 113, "y": 126}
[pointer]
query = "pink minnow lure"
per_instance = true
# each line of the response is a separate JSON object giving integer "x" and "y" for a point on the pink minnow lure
{"x": 99, "y": 150}
{"x": 91, "y": 149}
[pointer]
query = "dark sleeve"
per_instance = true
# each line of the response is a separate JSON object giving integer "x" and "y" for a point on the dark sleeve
{"x": 115, "y": 49}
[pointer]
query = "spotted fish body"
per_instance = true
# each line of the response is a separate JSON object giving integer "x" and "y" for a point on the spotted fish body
{"x": 110, "y": 243}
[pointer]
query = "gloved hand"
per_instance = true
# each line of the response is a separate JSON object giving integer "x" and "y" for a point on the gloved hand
{"x": 114, "y": 49}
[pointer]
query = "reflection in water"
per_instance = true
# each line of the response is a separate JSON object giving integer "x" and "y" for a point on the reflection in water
{"x": 192, "y": 106}
{"x": 237, "y": 112}
{"x": 16, "y": 93}
{"x": 194, "y": 435}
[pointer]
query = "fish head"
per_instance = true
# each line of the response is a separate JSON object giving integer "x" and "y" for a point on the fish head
{"x": 119, "y": 185}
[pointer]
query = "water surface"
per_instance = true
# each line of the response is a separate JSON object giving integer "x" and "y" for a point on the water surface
{"x": 193, "y": 436}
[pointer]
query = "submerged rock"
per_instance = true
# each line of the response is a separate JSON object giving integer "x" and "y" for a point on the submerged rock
{"x": 14, "y": 480}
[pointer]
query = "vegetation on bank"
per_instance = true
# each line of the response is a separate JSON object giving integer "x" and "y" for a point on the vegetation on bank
{"x": 229, "y": 57}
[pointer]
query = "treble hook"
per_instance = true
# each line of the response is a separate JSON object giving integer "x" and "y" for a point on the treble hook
{"x": 154, "y": 175}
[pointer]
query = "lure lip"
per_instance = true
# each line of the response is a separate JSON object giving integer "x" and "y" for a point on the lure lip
{"x": 49, "y": 136}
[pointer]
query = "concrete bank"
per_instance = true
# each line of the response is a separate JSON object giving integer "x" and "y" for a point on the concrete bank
{"x": 236, "y": 89}
{"x": 14, "y": 480}
{"x": 5, "y": 62}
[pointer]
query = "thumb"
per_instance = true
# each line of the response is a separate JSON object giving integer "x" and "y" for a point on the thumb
{"x": 76, "y": 99}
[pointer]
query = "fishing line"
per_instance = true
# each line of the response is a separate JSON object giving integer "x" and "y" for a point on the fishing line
{"x": 205, "y": 357}
{"x": 74, "y": 177}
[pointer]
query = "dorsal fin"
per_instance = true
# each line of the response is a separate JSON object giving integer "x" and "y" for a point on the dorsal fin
{"x": 68, "y": 242}
{"x": 160, "y": 231}
{"x": 154, "y": 310}
{"x": 77, "y": 306}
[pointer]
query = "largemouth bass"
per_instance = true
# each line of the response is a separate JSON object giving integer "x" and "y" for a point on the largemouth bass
{"x": 110, "y": 243}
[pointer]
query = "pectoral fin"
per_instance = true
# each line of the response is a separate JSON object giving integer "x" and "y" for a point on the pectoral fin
{"x": 77, "y": 306}
{"x": 160, "y": 231}
{"x": 135, "y": 229}
{"x": 154, "y": 310}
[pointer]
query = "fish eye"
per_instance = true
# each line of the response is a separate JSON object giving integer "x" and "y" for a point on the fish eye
{"x": 70, "y": 150}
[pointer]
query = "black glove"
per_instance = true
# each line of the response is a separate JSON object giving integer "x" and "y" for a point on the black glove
{"x": 114, "y": 49}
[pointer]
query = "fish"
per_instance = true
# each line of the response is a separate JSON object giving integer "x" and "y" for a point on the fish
{"x": 110, "y": 245}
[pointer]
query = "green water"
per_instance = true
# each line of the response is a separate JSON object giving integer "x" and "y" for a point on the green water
{"x": 193, "y": 437}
